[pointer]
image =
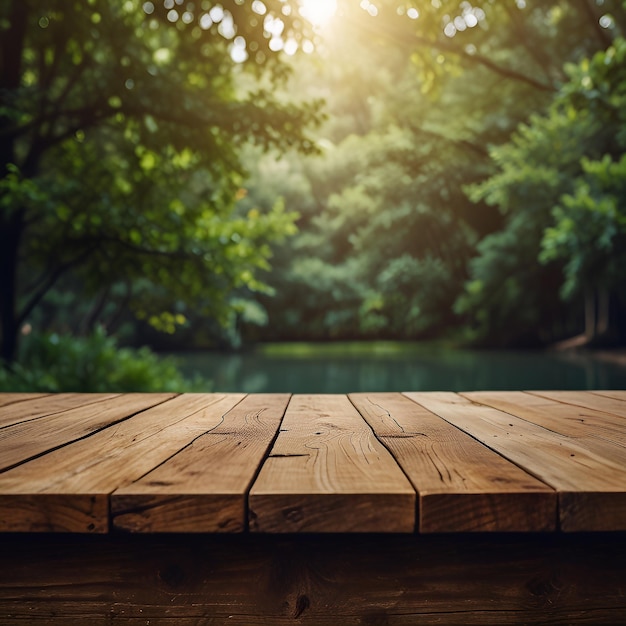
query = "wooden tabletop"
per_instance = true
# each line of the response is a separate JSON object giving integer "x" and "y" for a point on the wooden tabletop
{"x": 427, "y": 462}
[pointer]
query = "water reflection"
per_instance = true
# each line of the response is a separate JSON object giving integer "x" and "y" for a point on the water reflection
{"x": 402, "y": 370}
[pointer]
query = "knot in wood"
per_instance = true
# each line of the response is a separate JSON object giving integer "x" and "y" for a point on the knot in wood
{"x": 302, "y": 604}
{"x": 294, "y": 514}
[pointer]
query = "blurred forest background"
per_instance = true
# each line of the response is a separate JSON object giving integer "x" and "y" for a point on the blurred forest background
{"x": 209, "y": 175}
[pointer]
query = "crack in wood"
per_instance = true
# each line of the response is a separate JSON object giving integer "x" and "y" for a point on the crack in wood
{"x": 285, "y": 456}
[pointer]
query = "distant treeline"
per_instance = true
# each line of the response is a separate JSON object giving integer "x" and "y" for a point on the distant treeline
{"x": 172, "y": 176}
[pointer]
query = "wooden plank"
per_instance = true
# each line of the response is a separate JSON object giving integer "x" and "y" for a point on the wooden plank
{"x": 204, "y": 487}
{"x": 618, "y": 395}
{"x": 462, "y": 485}
{"x": 68, "y": 489}
{"x": 571, "y": 466}
{"x": 328, "y": 473}
{"x": 317, "y": 580}
{"x": 566, "y": 419}
{"x": 12, "y": 397}
{"x": 43, "y": 406}
{"x": 587, "y": 399}
{"x": 27, "y": 439}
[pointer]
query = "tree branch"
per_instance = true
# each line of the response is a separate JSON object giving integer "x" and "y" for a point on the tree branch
{"x": 488, "y": 63}
{"x": 169, "y": 254}
{"x": 11, "y": 45}
{"x": 72, "y": 80}
{"x": 88, "y": 117}
{"x": 412, "y": 40}
{"x": 48, "y": 284}
{"x": 534, "y": 51}
{"x": 89, "y": 321}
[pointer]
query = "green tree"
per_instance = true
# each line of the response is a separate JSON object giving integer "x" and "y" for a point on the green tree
{"x": 588, "y": 234}
{"x": 417, "y": 95}
{"x": 560, "y": 184}
{"x": 120, "y": 124}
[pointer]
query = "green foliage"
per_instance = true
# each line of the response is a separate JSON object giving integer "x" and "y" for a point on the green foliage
{"x": 416, "y": 294}
{"x": 53, "y": 363}
{"x": 589, "y": 222}
{"x": 510, "y": 296}
{"x": 120, "y": 131}
{"x": 419, "y": 111}
{"x": 589, "y": 234}
{"x": 139, "y": 171}
{"x": 560, "y": 185}
{"x": 385, "y": 229}
{"x": 538, "y": 163}
{"x": 16, "y": 192}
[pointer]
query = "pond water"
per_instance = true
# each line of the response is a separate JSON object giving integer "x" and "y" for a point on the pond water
{"x": 381, "y": 366}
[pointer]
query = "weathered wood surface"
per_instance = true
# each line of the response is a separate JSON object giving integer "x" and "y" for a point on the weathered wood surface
{"x": 204, "y": 487}
{"x": 383, "y": 462}
{"x": 252, "y": 579}
{"x": 588, "y": 473}
{"x": 595, "y": 401}
{"x": 327, "y": 472}
{"x": 195, "y": 465}
{"x": 618, "y": 395}
{"x": 21, "y": 411}
{"x": 69, "y": 488}
{"x": 11, "y": 398}
{"x": 26, "y": 435}
{"x": 568, "y": 419}
{"x": 462, "y": 485}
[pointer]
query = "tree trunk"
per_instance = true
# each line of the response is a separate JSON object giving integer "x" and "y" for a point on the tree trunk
{"x": 603, "y": 322}
{"x": 93, "y": 315}
{"x": 11, "y": 220}
{"x": 590, "y": 313}
{"x": 597, "y": 312}
{"x": 10, "y": 235}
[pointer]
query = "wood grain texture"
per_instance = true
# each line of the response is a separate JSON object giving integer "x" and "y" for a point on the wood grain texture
{"x": 328, "y": 473}
{"x": 53, "y": 512}
{"x": 462, "y": 485}
{"x": 573, "y": 467}
{"x": 185, "y": 464}
{"x": 564, "y": 418}
{"x": 617, "y": 394}
{"x": 313, "y": 579}
{"x": 25, "y": 440}
{"x": 588, "y": 400}
{"x": 27, "y": 410}
{"x": 95, "y": 466}
{"x": 204, "y": 487}
{"x": 11, "y": 398}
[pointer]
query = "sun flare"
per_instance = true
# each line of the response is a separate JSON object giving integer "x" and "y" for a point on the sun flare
{"x": 318, "y": 12}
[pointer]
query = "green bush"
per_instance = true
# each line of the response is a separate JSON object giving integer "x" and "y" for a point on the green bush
{"x": 55, "y": 363}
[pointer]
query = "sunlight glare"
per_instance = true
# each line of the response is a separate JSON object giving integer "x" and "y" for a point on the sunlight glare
{"x": 318, "y": 12}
